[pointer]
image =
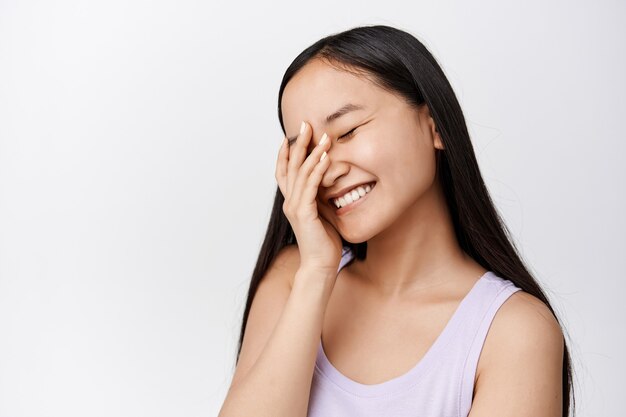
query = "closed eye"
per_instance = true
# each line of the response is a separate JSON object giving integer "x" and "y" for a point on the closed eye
{"x": 345, "y": 135}
{"x": 348, "y": 134}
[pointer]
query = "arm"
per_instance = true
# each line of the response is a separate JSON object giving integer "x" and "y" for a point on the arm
{"x": 519, "y": 371}
{"x": 277, "y": 359}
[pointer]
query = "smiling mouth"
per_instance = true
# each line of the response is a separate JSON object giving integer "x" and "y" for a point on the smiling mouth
{"x": 331, "y": 201}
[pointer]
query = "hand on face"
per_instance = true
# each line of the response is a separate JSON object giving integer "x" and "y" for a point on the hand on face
{"x": 299, "y": 177}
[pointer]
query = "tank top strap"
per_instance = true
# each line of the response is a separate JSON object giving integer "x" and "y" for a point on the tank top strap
{"x": 346, "y": 256}
{"x": 478, "y": 313}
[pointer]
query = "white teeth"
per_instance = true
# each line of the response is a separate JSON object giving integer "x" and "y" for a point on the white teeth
{"x": 352, "y": 196}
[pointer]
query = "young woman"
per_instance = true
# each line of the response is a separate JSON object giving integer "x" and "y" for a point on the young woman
{"x": 387, "y": 284}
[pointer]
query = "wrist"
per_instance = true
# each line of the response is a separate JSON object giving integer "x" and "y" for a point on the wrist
{"x": 315, "y": 278}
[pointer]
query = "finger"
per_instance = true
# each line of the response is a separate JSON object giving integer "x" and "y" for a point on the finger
{"x": 281, "y": 167}
{"x": 307, "y": 167}
{"x": 297, "y": 152}
{"x": 311, "y": 188}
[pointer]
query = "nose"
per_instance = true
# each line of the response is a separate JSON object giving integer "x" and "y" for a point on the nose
{"x": 337, "y": 168}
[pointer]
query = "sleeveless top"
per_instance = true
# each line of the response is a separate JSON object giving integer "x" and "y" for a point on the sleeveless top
{"x": 440, "y": 384}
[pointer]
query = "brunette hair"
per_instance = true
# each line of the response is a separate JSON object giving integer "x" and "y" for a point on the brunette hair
{"x": 398, "y": 62}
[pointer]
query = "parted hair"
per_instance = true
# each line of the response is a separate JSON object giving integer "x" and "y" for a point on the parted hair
{"x": 398, "y": 62}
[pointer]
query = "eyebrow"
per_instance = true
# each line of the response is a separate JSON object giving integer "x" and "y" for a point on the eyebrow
{"x": 346, "y": 108}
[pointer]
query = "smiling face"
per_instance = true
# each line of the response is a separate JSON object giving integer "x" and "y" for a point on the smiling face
{"x": 393, "y": 144}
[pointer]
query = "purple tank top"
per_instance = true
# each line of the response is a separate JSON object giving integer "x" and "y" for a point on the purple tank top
{"x": 440, "y": 384}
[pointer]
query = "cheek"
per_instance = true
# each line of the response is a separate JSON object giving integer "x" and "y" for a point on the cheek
{"x": 419, "y": 170}
{"x": 368, "y": 150}
{"x": 409, "y": 166}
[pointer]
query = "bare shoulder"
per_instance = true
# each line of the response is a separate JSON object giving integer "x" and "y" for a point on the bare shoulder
{"x": 523, "y": 323}
{"x": 524, "y": 318}
{"x": 522, "y": 357}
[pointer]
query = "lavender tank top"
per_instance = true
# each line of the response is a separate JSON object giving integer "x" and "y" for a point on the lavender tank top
{"x": 441, "y": 384}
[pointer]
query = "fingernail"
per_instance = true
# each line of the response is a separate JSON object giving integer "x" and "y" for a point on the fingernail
{"x": 302, "y": 127}
{"x": 323, "y": 156}
{"x": 324, "y": 137}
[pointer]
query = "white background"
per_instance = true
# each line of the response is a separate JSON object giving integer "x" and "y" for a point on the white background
{"x": 137, "y": 149}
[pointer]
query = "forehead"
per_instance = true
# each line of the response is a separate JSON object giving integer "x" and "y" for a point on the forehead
{"x": 319, "y": 88}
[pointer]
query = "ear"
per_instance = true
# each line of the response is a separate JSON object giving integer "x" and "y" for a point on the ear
{"x": 438, "y": 143}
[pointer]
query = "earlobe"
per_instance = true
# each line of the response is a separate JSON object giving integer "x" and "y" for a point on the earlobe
{"x": 438, "y": 142}
{"x": 436, "y": 136}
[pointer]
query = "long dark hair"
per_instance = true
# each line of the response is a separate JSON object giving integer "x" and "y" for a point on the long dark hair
{"x": 398, "y": 62}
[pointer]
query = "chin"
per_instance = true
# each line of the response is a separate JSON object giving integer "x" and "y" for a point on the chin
{"x": 358, "y": 233}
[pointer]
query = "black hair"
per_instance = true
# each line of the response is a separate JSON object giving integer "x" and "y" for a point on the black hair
{"x": 398, "y": 62}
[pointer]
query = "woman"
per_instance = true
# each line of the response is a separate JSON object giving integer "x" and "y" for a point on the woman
{"x": 387, "y": 284}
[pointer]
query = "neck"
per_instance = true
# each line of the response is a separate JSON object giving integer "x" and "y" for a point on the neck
{"x": 418, "y": 251}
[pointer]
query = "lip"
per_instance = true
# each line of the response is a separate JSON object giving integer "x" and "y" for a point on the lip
{"x": 353, "y": 205}
{"x": 342, "y": 192}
